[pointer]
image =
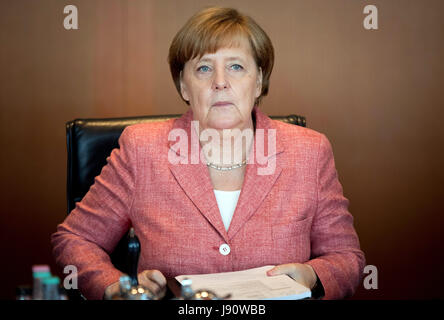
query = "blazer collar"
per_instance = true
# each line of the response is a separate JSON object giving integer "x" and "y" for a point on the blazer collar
{"x": 193, "y": 177}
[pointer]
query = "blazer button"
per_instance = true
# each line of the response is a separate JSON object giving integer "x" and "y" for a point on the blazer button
{"x": 224, "y": 249}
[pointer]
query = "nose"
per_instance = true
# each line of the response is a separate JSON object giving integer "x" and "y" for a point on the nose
{"x": 220, "y": 80}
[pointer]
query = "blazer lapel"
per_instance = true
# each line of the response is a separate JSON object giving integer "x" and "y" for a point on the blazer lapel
{"x": 194, "y": 179}
{"x": 257, "y": 186}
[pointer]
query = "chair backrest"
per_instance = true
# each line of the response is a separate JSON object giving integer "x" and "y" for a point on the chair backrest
{"x": 90, "y": 142}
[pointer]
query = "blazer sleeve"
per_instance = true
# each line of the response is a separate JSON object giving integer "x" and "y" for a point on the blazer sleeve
{"x": 336, "y": 256}
{"x": 92, "y": 230}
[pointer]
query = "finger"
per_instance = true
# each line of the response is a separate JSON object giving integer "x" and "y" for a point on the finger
{"x": 111, "y": 290}
{"x": 145, "y": 281}
{"x": 153, "y": 280}
{"x": 288, "y": 268}
{"x": 151, "y": 286}
{"x": 158, "y": 277}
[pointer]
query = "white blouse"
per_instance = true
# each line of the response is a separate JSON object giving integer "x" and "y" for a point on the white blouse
{"x": 227, "y": 201}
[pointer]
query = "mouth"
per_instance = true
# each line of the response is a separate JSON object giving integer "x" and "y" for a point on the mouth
{"x": 222, "y": 104}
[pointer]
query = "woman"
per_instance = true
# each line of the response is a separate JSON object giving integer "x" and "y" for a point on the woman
{"x": 234, "y": 207}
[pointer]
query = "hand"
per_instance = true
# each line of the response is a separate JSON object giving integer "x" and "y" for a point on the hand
{"x": 153, "y": 280}
{"x": 301, "y": 273}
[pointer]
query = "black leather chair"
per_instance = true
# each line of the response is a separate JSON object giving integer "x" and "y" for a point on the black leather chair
{"x": 90, "y": 142}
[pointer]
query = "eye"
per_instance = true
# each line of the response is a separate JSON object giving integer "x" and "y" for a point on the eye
{"x": 236, "y": 67}
{"x": 203, "y": 69}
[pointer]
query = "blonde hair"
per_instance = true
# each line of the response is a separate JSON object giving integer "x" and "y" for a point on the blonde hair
{"x": 214, "y": 28}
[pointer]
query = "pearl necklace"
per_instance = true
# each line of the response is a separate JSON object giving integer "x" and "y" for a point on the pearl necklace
{"x": 235, "y": 166}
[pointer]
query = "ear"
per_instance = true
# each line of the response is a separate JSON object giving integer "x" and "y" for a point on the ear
{"x": 259, "y": 83}
{"x": 183, "y": 88}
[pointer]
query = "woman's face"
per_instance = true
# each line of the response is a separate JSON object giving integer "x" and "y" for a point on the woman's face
{"x": 222, "y": 87}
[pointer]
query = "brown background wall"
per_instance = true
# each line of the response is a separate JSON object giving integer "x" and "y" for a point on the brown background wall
{"x": 376, "y": 94}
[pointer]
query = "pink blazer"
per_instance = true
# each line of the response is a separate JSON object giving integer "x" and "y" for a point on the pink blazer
{"x": 295, "y": 214}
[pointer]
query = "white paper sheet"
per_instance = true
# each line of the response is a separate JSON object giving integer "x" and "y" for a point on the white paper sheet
{"x": 251, "y": 284}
